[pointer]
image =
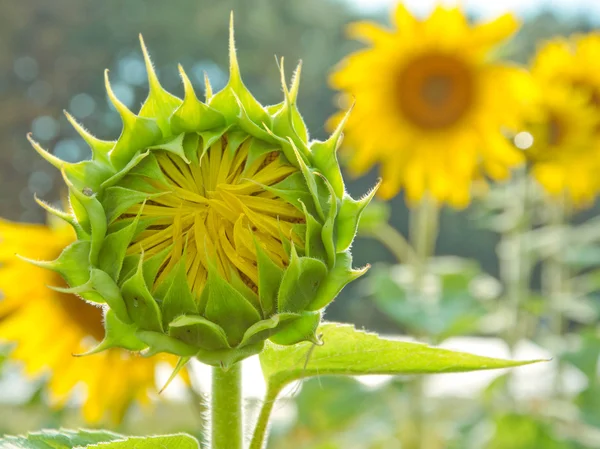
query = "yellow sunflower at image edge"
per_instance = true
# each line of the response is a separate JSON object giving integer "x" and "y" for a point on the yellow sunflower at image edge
{"x": 429, "y": 104}
{"x": 47, "y": 327}
{"x": 565, "y": 153}
{"x": 209, "y": 227}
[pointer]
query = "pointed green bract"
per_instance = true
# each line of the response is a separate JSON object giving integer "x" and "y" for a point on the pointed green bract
{"x": 142, "y": 208}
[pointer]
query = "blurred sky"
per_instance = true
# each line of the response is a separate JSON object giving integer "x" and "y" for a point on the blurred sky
{"x": 487, "y": 8}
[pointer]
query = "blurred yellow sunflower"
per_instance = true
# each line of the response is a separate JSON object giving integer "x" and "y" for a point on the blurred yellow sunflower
{"x": 565, "y": 124}
{"x": 48, "y": 327}
{"x": 430, "y": 106}
{"x": 564, "y": 153}
{"x": 575, "y": 61}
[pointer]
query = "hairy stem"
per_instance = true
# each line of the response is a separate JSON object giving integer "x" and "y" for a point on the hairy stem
{"x": 226, "y": 408}
{"x": 259, "y": 438}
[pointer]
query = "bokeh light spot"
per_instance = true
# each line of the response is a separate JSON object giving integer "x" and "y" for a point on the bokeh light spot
{"x": 82, "y": 105}
{"x": 45, "y": 128}
{"x": 523, "y": 140}
{"x": 40, "y": 182}
{"x": 26, "y": 68}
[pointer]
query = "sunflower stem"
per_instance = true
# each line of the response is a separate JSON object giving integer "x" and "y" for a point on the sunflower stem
{"x": 554, "y": 278}
{"x": 515, "y": 260}
{"x": 423, "y": 235}
{"x": 259, "y": 438}
{"x": 226, "y": 408}
{"x": 395, "y": 242}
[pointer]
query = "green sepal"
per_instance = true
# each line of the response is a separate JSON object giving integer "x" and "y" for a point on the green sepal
{"x": 210, "y": 137}
{"x": 87, "y": 174}
{"x": 117, "y": 335}
{"x": 287, "y": 121}
{"x": 225, "y": 358}
{"x": 313, "y": 240}
{"x": 328, "y": 232}
{"x": 303, "y": 328}
{"x": 179, "y": 299}
{"x": 311, "y": 181}
{"x": 49, "y": 157}
{"x": 137, "y": 134}
{"x": 325, "y": 158}
{"x": 100, "y": 148}
{"x": 131, "y": 164}
{"x": 300, "y": 283}
{"x": 152, "y": 266}
{"x": 193, "y": 115}
{"x": 118, "y": 199}
{"x": 180, "y": 365}
{"x": 228, "y": 308}
{"x": 341, "y": 274}
{"x": 173, "y": 145}
{"x": 235, "y": 139}
{"x": 72, "y": 265}
{"x": 236, "y": 282}
{"x": 146, "y": 168}
{"x": 246, "y": 123}
{"x": 158, "y": 342}
{"x": 199, "y": 332}
{"x": 258, "y": 148}
{"x": 265, "y": 328}
{"x": 349, "y": 218}
{"x": 269, "y": 281}
{"x": 191, "y": 143}
{"x": 96, "y": 216}
{"x": 160, "y": 104}
{"x": 141, "y": 306}
{"x": 294, "y": 190}
{"x": 65, "y": 216}
{"x": 225, "y": 99}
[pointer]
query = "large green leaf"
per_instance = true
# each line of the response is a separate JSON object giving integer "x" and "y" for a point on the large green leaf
{"x": 58, "y": 439}
{"x": 101, "y": 439}
{"x": 180, "y": 441}
{"x": 347, "y": 351}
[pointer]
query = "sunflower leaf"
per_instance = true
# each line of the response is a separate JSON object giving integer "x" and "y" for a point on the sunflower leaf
{"x": 59, "y": 439}
{"x": 179, "y": 441}
{"x": 343, "y": 353}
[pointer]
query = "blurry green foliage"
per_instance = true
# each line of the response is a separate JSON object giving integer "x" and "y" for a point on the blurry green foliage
{"x": 451, "y": 280}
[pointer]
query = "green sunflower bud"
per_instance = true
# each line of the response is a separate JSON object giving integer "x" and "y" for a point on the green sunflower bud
{"x": 208, "y": 227}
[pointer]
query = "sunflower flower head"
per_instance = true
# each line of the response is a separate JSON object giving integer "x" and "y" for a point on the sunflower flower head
{"x": 32, "y": 315}
{"x": 565, "y": 121}
{"x": 430, "y": 105}
{"x": 209, "y": 227}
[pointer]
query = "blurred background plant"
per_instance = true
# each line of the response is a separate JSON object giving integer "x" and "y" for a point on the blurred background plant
{"x": 518, "y": 270}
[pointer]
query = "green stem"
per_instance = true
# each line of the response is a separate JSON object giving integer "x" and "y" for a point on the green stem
{"x": 395, "y": 242}
{"x": 424, "y": 223}
{"x": 262, "y": 424}
{"x": 554, "y": 277}
{"x": 515, "y": 260}
{"x": 226, "y": 408}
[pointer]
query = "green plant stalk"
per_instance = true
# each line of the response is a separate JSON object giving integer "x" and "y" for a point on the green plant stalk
{"x": 259, "y": 437}
{"x": 424, "y": 222}
{"x": 226, "y": 408}
{"x": 554, "y": 278}
{"x": 395, "y": 242}
{"x": 516, "y": 263}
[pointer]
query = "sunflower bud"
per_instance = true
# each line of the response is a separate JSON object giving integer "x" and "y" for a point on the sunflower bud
{"x": 208, "y": 227}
